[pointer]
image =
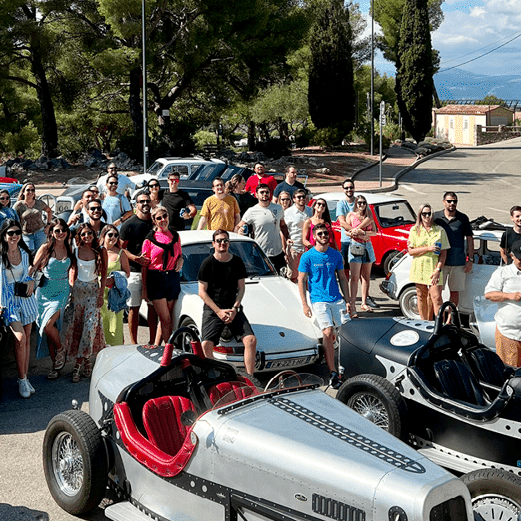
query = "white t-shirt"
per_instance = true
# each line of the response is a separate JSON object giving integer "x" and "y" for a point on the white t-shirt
{"x": 295, "y": 219}
{"x": 266, "y": 227}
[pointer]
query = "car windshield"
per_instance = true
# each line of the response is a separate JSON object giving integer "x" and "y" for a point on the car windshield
{"x": 395, "y": 213}
{"x": 256, "y": 262}
{"x": 154, "y": 169}
{"x": 285, "y": 381}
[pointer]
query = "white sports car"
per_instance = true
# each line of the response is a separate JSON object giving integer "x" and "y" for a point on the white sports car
{"x": 286, "y": 338}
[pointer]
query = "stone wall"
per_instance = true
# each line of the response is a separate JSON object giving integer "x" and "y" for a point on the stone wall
{"x": 485, "y": 135}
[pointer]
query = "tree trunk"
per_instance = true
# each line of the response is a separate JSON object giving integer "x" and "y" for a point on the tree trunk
{"x": 251, "y": 136}
{"x": 134, "y": 101}
{"x": 49, "y": 126}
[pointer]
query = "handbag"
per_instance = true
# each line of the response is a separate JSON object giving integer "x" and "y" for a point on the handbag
{"x": 357, "y": 249}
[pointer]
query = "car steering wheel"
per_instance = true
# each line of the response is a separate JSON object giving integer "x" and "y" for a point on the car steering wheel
{"x": 279, "y": 376}
{"x": 440, "y": 319}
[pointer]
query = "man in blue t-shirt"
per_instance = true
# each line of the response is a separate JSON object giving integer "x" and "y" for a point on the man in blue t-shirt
{"x": 319, "y": 267}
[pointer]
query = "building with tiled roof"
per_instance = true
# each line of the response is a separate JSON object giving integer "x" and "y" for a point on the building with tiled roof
{"x": 457, "y": 123}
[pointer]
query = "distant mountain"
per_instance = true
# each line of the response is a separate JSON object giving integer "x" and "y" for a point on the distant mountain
{"x": 460, "y": 84}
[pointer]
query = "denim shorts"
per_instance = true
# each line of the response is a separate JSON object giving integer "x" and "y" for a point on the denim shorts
{"x": 329, "y": 314}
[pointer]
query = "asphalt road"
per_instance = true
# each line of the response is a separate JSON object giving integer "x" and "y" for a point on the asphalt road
{"x": 486, "y": 181}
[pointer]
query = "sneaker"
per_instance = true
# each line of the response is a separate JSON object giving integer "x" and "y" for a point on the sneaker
{"x": 371, "y": 303}
{"x": 31, "y": 388}
{"x": 23, "y": 389}
{"x": 334, "y": 380}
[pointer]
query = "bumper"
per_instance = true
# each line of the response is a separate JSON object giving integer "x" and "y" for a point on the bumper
{"x": 274, "y": 361}
{"x": 389, "y": 288}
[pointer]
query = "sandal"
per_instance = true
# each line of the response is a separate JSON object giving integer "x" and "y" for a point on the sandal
{"x": 60, "y": 360}
{"x": 366, "y": 308}
{"x": 76, "y": 373}
{"x": 87, "y": 368}
{"x": 353, "y": 315}
{"x": 53, "y": 374}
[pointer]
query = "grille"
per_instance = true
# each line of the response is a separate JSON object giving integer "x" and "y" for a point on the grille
{"x": 451, "y": 510}
{"x": 336, "y": 510}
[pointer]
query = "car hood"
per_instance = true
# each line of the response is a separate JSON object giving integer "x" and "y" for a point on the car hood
{"x": 314, "y": 447}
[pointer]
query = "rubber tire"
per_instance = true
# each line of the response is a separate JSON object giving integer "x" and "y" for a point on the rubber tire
{"x": 253, "y": 379}
{"x": 389, "y": 256}
{"x": 90, "y": 443}
{"x": 494, "y": 482}
{"x": 385, "y": 392}
{"x": 406, "y": 299}
{"x": 189, "y": 323}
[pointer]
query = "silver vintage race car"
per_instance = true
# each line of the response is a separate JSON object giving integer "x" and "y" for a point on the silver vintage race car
{"x": 179, "y": 437}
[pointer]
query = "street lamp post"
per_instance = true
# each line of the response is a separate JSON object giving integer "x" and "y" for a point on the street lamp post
{"x": 145, "y": 120}
{"x": 372, "y": 77}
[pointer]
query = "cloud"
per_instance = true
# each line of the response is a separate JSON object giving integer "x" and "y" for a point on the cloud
{"x": 478, "y": 12}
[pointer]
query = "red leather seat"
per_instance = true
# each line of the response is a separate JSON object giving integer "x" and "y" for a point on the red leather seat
{"x": 232, "y": 391}
{"x": 162, "y": 422}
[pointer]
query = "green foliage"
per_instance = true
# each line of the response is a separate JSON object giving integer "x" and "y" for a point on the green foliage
{"x": 392, "y": 131}
{"x": 172, "y": 139}
{"x": 25, "y": 142}
{"x": 331, "y": 91}
{"x": 414, "y": 83}
{"x": 304, "y": 136}
{"x": 327, "y": 137}
{"x": 490, "y": 100}
{"x": 203, "y": 137}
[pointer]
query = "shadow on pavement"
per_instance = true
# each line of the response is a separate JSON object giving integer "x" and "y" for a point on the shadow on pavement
{"x": 20, "y": 415}
{"x": 20, "y": 513}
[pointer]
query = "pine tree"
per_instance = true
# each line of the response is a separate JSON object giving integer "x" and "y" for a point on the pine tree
{"x": 414, "y": 83}
{"x": 331, "y": 91}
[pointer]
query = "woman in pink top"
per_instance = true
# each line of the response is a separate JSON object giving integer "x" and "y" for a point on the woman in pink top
{"x": 161, "y": 284}
{"x": 320, "y": 216}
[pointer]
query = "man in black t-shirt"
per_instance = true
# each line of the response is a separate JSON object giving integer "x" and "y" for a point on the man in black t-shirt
{"x": 175, "y": 200}
{"x": 511, "y": 235}
{"x": 133, "y": 232}
{"x": 221, "y": 286}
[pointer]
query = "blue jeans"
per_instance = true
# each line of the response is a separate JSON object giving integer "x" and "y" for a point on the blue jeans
{"x": 35, "y": 240}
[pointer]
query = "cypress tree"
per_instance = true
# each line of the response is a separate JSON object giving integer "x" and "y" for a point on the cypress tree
{"x": 414, "y": 83}
{"x": 331, "y": 91}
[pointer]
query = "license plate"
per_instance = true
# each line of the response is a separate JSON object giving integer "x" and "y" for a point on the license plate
{"x": 62, "y": 206}
{"x": 287, "y": 363}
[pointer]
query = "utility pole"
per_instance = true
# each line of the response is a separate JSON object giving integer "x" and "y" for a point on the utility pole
{"x": 145, "y": 119}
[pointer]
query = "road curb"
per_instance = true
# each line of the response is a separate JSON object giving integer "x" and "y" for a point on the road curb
{"x": 396, "y": 177}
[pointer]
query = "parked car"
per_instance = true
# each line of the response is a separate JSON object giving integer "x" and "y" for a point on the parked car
{"x": 181, "y": 437}
{"x": 161, "y": 167}
{"x": 285, "y": 336}
{"x": 393, "y": 217}
{"x": 436, "y": 387}
{"x": 487, "y": 258}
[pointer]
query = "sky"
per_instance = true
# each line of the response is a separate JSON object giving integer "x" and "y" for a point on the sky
{"x": 472, "y": 28}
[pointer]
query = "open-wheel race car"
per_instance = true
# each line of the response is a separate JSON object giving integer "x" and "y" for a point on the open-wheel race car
{"x": 433, "y": 385}
{"x": 179, "y": 437}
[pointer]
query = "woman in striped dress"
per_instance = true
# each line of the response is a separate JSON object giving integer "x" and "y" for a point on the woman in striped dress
{"x": 17, "y": 300}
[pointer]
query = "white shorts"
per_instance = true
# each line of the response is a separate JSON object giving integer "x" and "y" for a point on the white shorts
{"x": 329, "y": 314}
{"x": 135, "y": 286}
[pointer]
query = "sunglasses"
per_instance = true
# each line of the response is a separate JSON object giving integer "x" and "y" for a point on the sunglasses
{"x": 59, "y": 230}
{"x": 264, "y": 192}
{"x": 451, "y": 201}
{"x": 144, "y": 201}
{"x": 173, "y": 180}
{"x": 426, "y": 214}
{"x": 153, "y": 186}
{"x": 162, "y": 217}
{"x": 361, "y": 203}
{"x": 112, "y": 234}
{"x": 113, "y": 183}
{"x": 222, "y": 241}
{"x": 30, "y": 190}
{"x": 300, "y": 197}
{"x": 95, "y": 208}
{"x": 86, "y": 234}
{"x": 349, "y": 188}
{"x": 4, "y": 198}
{"x": 285, "y": 200}
{"x": 319, "y": 204}
{"x": 322, "y": 234}
{"x": 14, "y": 232}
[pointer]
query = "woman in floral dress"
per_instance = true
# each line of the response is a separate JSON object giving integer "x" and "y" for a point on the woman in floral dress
{"x": 84, "y": 331}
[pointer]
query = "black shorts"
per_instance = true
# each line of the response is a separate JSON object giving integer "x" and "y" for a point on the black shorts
{"x": 279, "y": 261}
{"x": 163, "y": 284}
{"x": 213, "y": 326}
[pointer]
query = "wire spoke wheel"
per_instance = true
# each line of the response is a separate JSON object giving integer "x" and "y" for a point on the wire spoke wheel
{"x": 67, "y": 464}
{"x": 493, "y": 507}
{"x": 371, "y": 408}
